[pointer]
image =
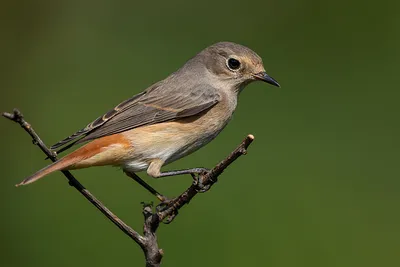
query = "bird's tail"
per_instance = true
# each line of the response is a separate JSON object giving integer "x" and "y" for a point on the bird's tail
{"x": 76, "y": 160}
{"x": 61, "y": 164}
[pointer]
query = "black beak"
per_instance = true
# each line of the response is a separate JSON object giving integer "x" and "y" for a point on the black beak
{"x": 263, "y": 76}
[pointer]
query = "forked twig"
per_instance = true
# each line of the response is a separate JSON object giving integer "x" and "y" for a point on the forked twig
{"x": 148, "y": 240}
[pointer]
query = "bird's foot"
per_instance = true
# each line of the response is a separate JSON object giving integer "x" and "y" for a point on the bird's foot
{"x": 165, "y": 205}
{"x": 170, "y": 205}
{"x": 198, "y": 181}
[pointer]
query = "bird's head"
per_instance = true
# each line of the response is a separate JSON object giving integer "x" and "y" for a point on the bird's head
{"x": 235, "y": 64}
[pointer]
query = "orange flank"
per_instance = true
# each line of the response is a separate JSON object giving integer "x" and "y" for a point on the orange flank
{"x": 108, "y": 150}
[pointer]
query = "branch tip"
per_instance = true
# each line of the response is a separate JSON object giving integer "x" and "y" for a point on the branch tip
{"x": 8, "y": 115}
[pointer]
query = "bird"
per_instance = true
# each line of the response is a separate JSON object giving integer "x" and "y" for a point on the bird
{"x": 167, "y": 121}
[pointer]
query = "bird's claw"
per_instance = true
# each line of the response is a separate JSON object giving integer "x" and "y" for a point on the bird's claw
{"x": 171, "y": 217}
{"x": 197, "y": 181}
{"x": 165, "y": 205}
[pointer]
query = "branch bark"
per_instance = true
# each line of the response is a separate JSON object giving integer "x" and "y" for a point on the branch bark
{"x": 164, "y": 213}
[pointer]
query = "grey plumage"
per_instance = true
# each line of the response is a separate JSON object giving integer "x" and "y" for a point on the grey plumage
{"x": 180, "y": 95}
{"x": 168, "y": 120}
{"x": 149, "y": 107}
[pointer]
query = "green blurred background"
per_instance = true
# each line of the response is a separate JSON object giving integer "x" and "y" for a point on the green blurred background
{"x": 319, "y": 187}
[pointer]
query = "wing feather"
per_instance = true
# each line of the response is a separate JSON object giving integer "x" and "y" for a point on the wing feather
{"x": 99, "y": 121}
{"x": 149, "y": 107}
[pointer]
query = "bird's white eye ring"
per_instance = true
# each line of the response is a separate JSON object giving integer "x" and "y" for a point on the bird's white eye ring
{"x": 233, "y": 64}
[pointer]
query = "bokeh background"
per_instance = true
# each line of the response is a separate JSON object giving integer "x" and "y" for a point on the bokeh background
{"x": 319, "y": 187}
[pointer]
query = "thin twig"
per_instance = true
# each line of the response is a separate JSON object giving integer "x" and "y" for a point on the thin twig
{"x": 148, "y": 241}
{"x": 19, "y": 118}
{"x": 206, "y": 180}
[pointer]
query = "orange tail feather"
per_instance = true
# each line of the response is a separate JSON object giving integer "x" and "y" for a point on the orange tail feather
{"x": 56, "y": 166}
{"x": 76, "y": 159}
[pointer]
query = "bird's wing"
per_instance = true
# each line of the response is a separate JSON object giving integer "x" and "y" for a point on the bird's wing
{"x": 149, "y": 107}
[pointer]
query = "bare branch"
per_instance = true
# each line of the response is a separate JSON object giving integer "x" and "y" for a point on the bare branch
{"x": 166, "y": 211}
{"x": 19, "y": 118}
{"x": 205, "y": 181}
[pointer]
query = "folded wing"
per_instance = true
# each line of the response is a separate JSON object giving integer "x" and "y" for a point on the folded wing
{"x": 156, "y": 105}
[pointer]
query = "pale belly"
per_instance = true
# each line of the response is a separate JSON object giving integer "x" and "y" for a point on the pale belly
{"x": 169, "y": 141}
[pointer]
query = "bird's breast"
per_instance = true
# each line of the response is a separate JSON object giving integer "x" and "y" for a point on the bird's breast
{"x": 170, "y": 141}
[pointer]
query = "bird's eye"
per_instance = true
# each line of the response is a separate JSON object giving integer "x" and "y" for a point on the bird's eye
{"x": 233, "y": 64}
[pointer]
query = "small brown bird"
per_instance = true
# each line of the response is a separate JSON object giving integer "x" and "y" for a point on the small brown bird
{"x": 170, "y": 119}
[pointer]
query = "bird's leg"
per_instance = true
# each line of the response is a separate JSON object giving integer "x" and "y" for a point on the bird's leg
{"x": 192, "y": 172}
{"x": 167, "y": 204}
{"x": 139, "y": 180}
{"x": 195, "y": 173}
{"x": 154, "y": 170}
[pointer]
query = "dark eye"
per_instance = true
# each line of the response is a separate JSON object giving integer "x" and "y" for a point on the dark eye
{"x": 233, "y": 64}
